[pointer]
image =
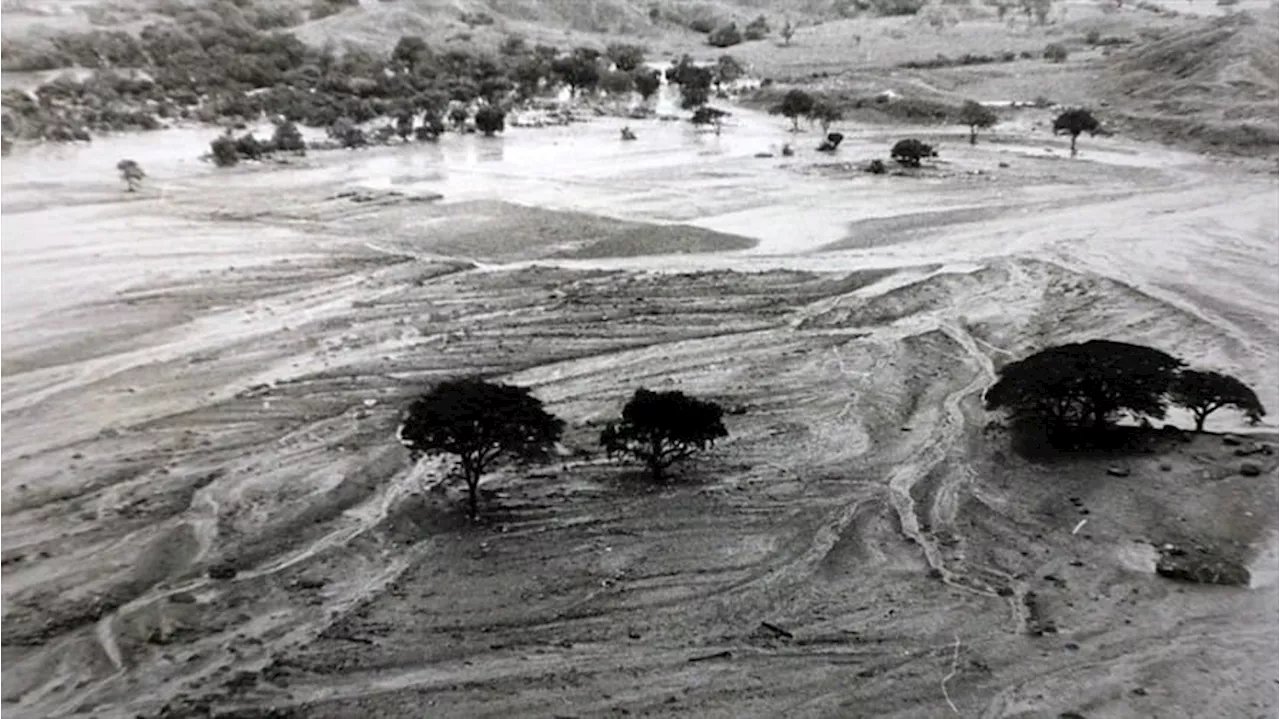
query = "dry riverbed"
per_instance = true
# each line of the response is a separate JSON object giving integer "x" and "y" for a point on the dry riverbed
{"x": 206, "y": 508}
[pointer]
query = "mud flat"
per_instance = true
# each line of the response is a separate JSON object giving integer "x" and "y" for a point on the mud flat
{"x": 206, "y": 510}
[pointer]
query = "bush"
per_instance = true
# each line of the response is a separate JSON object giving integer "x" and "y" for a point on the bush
{"x": 756, "y": 29}
{"x": 727, "y": 36}
{"x": 876, "y": 167}
{"x": 248, "y": 147}
{"x": 224, "y": 151}
{"x": 702, "y": 25}
{"x": 626, "y": 57}
{"x": 490, "y": 119}
{"x": 647, "y": 83}
{"x": 910, "y": 152}
{"x": 287, "y": 138}
{"x": 1055, "y": 52}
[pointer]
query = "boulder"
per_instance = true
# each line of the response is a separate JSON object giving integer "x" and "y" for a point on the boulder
{"x": 1250, "y": 469}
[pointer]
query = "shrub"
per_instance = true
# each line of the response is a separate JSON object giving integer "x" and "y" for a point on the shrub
{"x": 702, "y": 25}
{"x": 1055, "y": 52}
{"x": 876, "y": 167}
{"x": 910, "y": 152}
{"x": 248, "y": 147}
{"x": 626, "y": 57}
{"x": 132, "y": 174}
{"x": 224, "y": 151}
{"x": 647, "y": 83}
{"x": 756, "y": 29}
{"x": 287, "y": 138}
{"x": 661, "y": 429}
{"x": 490, "y": 119}
{"x": 976, "y": 116}
{"x": 727, "y": 36}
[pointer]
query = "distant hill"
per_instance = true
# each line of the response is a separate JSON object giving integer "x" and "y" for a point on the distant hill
{"x": 1214, "y": 83}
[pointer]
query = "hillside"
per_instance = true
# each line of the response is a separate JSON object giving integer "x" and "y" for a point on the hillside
{"x": 1213, "y": 83}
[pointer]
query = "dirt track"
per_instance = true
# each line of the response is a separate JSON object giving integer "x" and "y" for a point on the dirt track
{"x": 230, "y": 399}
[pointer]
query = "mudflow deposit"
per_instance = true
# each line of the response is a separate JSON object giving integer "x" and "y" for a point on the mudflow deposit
{"x": 205, "y": 377}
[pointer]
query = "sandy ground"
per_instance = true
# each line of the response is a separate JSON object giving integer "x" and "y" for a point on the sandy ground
{"x": 209, "y": 374}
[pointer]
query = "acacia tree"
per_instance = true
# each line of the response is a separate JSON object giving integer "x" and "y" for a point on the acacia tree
{"x": 707, "y": 115}
{"x": 1078, "y": 386}
{"x": 132, "y": 174}
{"x": 662, "y": 428}
{"x": 795, "y": 105}
{"x": 1074, "y": 122}
{"x": 1204, "y": 393}
{"x": 579, "y": 71}
{"x": 787, "y": 31}
{"x": 481, "y": 423}
{"x": 975, "y": 116}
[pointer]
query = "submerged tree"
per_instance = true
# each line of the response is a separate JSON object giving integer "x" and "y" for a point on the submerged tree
{"x": 1074, "y": 122}
{"x": 976, "y": 116}
{"x": 1204, "y": 393}
{"x": 795, "y": 105}
{"x": 480, "y": 423}
{"x": 132, "y": 174}
{"x": 663, "y": 428}
{"x": 490, "y": 119}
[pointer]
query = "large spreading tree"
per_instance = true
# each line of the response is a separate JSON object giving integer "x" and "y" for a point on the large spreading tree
{"x": 1085, "y": 386}
{"x": 1204, "y": 393}
{"x": 663, "y": 428}
{"x": 976, "y": 116}
{"x": 481, "y": 423}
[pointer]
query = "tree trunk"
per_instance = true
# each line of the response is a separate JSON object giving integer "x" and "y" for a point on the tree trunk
{"x": 1073, "y": 143}
{"x": 472, "y": 475}
{"x": 795, "y": 124}
{"x": 973, "y": 135}
{"x": 1200, "y": 418}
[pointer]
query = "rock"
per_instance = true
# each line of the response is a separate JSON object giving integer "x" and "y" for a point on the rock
{"x": 1203, "y": 570}
{"x": 1139, "y": 692}
{"x": 1003, "y": 164}
{"x": 1231, "y": 441}
{"x": 182, "y": 598}
{"x": 1166, "y": 467}
{"x": 1250, "y": 469}
{"x": 222, "y": 571}
{"x": 1071, "y": 646}
{"x": 1118, "y": 471}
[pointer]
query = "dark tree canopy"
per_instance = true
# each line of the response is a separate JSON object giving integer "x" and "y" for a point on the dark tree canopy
{"x": 480, "y": 423}
{"x": 976, "y": 116}
{"x": 647, "y": 83}
{"x": 617, "y": 83}
{"x": 707, "y": 115}
{"x": 662, "y": 428}
{"x": 626, "y": 57}
{"x": 224, "y": 151}
{"x": 910, "y": 152}
{"x": 824, "y": 113}
{"x": 726, "y": 36}
{"x": 694, "y": 81}
{"x": 490, "y": 119}
{"x": 579, "y": 71}
{"x": 1085, "y": 385}
{"x": 728, "y": 70}
{"x": 1203, "y": 393}
{"x": 795, "y": 105}
{"x": 1075, "y": 121}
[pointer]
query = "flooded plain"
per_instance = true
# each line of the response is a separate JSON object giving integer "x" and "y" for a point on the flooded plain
{"x": 208, "y": 373}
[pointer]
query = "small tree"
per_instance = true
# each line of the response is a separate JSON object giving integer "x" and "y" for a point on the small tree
{"x": 1204, "y": 393}
{"x": 662, "y": 428}
{"x": 579, "y": 71}
{"x": 795, "y": 105}
{"x": 480, "y": 423}
{"x": 432, "y": 126}
{"x": 288, "y": 138}
{"x": 411, "y": 52}
{"x": 224, "y": 151}
{"x": 975, "y": 116}
{"x": 1075, "y": 122}
{"x": 490, "y": 119}
{"x": 825, "y": 114}
{"x": 787, "y": 31}
{"x": 911, "y": 151}
{"x": 132, "y": 174}
{"x": 728, "y": 70}
{"x": 726, "y": 36}
{"x": 625, "y": 57}
{"x": 647, "y": 83}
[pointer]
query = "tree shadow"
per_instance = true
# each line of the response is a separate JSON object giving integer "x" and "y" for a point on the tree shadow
{"x": 1039, "y": 442}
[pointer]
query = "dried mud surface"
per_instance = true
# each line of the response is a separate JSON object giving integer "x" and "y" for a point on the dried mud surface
{"x": 209, "y": 377}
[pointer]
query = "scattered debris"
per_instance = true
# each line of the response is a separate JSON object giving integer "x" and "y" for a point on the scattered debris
{"x": 777, "y": 630}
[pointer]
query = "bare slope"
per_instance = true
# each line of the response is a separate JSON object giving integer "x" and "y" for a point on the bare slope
{"x": 1214, "y": 83}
